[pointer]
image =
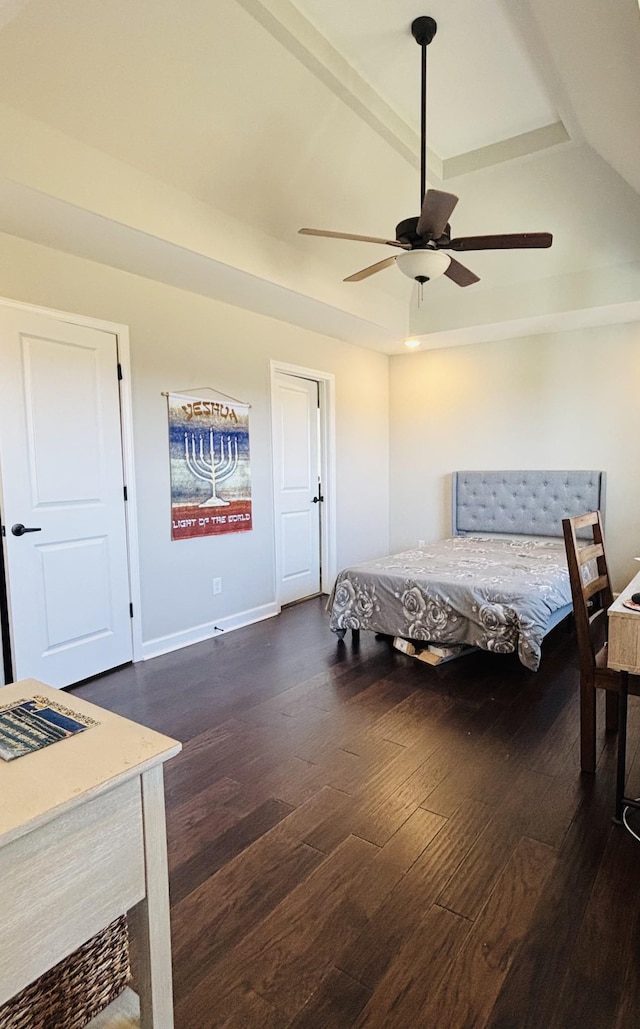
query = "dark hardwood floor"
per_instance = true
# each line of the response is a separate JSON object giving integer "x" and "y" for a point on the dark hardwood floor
{"x": 358, "y": 839}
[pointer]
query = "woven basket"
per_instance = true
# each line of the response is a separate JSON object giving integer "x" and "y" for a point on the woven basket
{"x": 73, "y": 991}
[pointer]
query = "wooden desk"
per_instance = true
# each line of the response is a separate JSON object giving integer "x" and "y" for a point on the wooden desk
{"x": 624, "y": 657}
{"x": 82, "y": 841}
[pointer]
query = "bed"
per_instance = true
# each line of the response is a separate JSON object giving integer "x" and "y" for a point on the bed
{"x": 500, "y": 582}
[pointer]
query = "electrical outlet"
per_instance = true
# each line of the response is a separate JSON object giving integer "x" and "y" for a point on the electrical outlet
{"x": 217, "y": 586}
{"x": 421, "y": 543}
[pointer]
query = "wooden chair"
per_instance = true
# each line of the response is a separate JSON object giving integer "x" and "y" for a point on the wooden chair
{"x": 591, "y": 601}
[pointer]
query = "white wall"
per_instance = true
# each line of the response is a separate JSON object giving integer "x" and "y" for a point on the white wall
{"x": 556, "y": 401}
{"x": 181, "y": 340}
{"x": 568, "y": 400}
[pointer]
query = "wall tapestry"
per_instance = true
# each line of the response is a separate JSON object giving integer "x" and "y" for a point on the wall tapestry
{"x": 210, "y": 466}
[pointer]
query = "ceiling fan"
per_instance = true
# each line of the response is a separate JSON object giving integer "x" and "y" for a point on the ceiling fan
{"x": 423, "y": 239}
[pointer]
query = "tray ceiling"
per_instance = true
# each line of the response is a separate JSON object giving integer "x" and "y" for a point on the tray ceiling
{"x": 206, "y": 135}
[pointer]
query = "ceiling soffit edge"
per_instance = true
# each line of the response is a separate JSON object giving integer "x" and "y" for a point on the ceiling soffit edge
{"x": 524, "y": 145}
{"x": 293, "y": 31}
{"x": 526, "y": 25}
{"x": 533, "y": 325}
{"x": 40, "y": 218}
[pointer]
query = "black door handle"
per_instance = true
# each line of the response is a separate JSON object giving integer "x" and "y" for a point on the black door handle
{"x": 19, "y": 529}
{"x": 317, "y": 500}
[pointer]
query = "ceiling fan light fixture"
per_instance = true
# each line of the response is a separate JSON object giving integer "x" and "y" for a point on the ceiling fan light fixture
{"x": 423, "y": 264}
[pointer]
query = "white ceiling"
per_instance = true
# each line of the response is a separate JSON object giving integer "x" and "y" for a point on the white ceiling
{"x": 475, "y": 51}
{"x": 189, "y": 141}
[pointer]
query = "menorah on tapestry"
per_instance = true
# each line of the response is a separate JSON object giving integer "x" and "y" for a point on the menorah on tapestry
{"x": 204, "y": 465}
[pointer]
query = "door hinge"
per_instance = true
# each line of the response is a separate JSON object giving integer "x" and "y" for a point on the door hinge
{"x": 119, "y": 372}
{"x": 130, "y": 610}
{"x": 125, "y": 492}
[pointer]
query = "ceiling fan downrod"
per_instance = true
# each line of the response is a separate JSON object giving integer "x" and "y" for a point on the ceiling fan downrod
{"x": 423, "y": 30}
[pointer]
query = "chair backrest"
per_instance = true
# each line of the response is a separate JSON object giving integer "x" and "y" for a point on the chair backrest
{"x": 590, "y": 585}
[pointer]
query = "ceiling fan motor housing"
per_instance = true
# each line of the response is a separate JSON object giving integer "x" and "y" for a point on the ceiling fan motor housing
{"x": 407, "y": 232}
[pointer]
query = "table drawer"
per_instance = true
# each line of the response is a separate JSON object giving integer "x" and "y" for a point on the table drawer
{"x": 66, "y": 880}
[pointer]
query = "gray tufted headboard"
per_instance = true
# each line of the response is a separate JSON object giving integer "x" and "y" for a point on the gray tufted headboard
{"x": 528, "y": 503}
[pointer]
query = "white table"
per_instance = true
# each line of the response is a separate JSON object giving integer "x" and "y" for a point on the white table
{"x": 82, "y": 841}
{"x": 624, "y": 657}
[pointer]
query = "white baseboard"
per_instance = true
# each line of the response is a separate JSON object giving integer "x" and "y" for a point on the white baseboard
{"x": 199, "y": 633}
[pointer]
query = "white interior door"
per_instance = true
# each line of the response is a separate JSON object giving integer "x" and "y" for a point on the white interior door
{"x": 297, "y": 467}
{"x": 61, "y": 476}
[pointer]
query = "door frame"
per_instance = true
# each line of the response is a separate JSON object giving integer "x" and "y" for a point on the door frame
{"x": 326, "y": 393}
{"x": 121, "y": 332}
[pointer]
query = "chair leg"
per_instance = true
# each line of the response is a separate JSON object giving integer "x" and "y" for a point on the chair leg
{"x": 612, "y": 707}
{"x": 587, "y": 726}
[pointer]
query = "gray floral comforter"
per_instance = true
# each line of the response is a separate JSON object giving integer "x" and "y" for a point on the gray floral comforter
{"x": 491, "y": 593}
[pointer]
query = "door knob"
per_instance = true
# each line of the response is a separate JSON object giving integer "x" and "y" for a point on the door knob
{"x": 19, "y": 529}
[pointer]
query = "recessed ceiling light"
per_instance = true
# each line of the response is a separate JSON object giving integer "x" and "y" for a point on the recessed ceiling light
{"x": 412, "y": 343}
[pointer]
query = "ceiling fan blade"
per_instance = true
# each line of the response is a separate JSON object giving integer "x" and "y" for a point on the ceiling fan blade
{"x": 509, "y": 241}
{"x": 436, "y": 211}
{"x": 350, "y": 235}
{"x": 460, "y": 275}
{"x": 371, "y": 270}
